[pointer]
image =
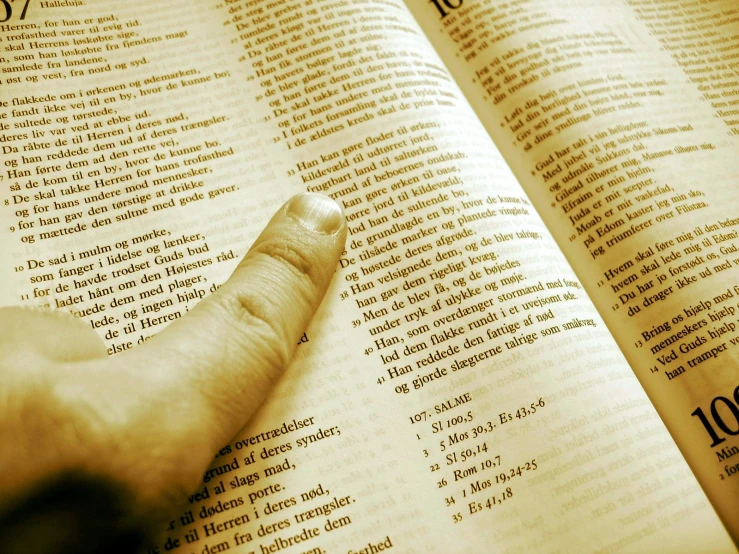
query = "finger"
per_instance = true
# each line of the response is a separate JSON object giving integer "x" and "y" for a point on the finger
{"x": 53, "y": 334}
{"x": 225, "y": 353}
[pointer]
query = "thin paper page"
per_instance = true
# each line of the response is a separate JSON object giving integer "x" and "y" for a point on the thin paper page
{"x": 620, "y": 122}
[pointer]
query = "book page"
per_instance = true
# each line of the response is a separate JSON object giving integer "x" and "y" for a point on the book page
{"x": 621, "y": 123}
{"x": 457, "y": 392}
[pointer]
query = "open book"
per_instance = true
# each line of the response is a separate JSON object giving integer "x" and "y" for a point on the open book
{"x": 543, "y": 205}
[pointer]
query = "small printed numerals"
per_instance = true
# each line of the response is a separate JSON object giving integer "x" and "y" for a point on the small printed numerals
{"x": 465, "y": 454}
{"x": 514, "y": 472}
{"x": 451, "y": 422}
{"x": 486, "y": 427}
{"x": 491, "y": 502}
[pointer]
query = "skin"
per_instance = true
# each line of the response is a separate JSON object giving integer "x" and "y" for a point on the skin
{"x": 150, "y": 420}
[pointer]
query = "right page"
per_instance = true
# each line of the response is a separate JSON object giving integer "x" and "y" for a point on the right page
{"x": 620, "y": 119}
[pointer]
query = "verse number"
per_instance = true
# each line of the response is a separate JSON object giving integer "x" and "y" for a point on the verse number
{"x": 9, "y": 10}
{"x": 730, "y": 410}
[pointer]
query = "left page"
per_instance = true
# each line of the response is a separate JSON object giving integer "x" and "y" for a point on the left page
{"x": 439, "y": 402}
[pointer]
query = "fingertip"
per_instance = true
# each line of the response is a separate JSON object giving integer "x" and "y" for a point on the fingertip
{"x": 234, "y": 345}
{"x": 221, "y": 358}
{"x": 316, "y": 213}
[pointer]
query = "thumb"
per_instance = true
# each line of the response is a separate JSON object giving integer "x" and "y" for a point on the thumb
{"x": 223, "y": 356}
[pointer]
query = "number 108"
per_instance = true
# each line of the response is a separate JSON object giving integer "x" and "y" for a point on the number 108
{"x": 723, "y": 422}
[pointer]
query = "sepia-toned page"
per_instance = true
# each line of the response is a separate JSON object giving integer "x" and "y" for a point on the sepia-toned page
{"x": 457, "y": 392}
{"x": 621, "y": 122}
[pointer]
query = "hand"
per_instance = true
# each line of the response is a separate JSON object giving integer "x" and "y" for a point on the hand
{"x": 147, "y": 423}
